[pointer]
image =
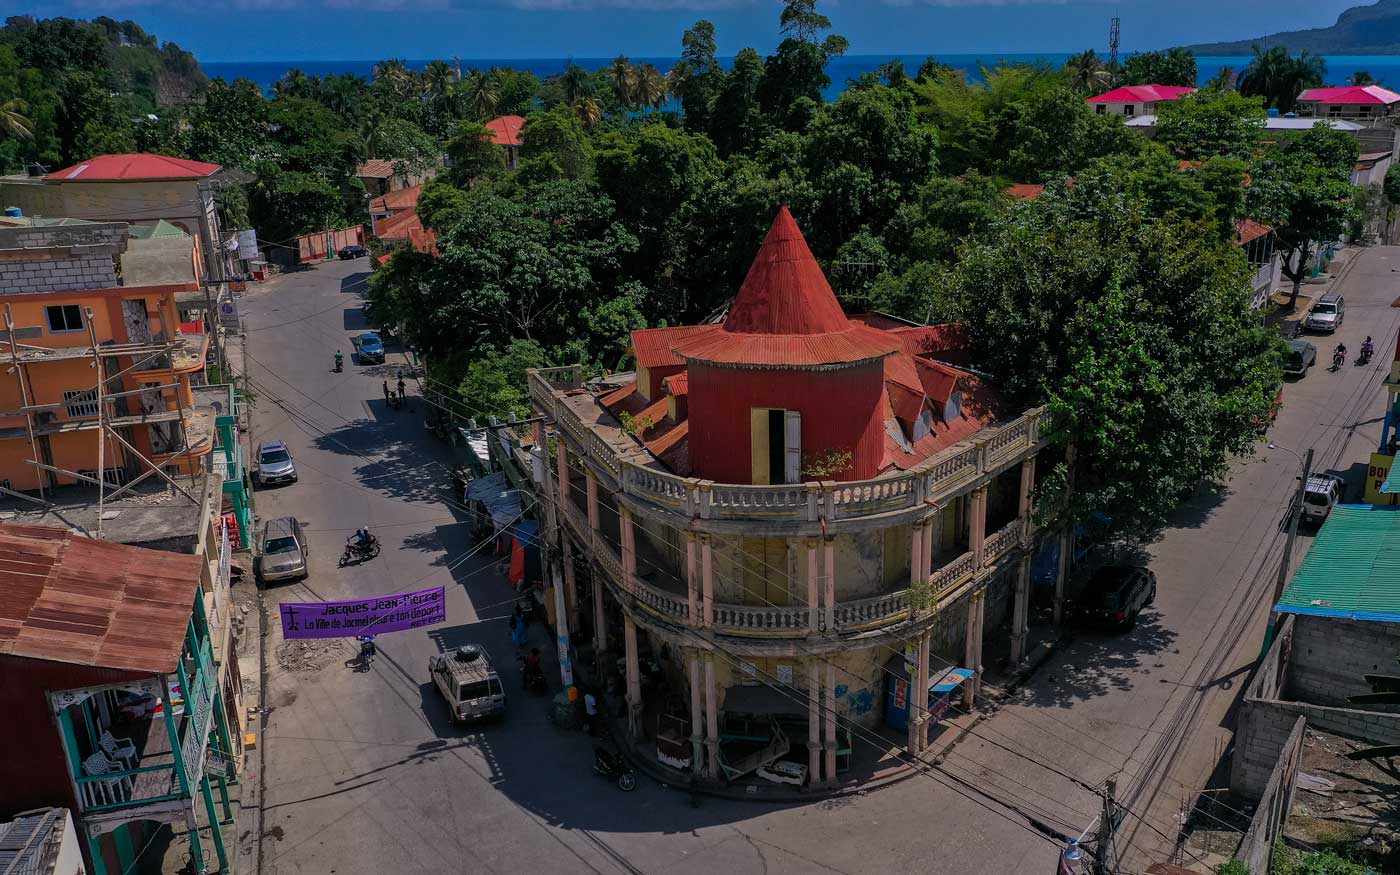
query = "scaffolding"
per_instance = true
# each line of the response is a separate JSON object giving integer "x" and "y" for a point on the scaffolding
{"x": 158, "y": 354}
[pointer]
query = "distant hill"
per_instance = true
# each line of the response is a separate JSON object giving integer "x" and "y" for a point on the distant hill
{"x": 1361, "y": 30}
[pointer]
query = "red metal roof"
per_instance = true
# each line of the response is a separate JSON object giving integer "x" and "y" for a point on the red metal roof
{"x": 67, "y": 598}
{"x": 397, "y": 200}
{"x": 786, "y": 314}
{"x": 1351, "y": 94}
{"x": 397, "y": 226}
{"x": 1026, "y": 191}
{"x": 505, "y": 130}
{"x": 652, "y": 346}
{"x": 1141, "y": 94}
{"x": 1249, "y": 231}
{"x": 677, "y": 384}
{"x": 981, "y": 407}
{"x": 376, "y": 168}
{"x": 140, "y": 166}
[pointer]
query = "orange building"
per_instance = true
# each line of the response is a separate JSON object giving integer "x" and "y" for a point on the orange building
{"x": 96, "y": 372}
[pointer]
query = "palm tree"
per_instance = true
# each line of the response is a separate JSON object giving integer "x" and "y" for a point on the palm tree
{"x": 574, "y": 82}
{"x": 1087, "y": 73}
{"x": 1279, "y": 78}
{"x": 624, "y": 81}
{"x": 372, "y": 133}
{"x": 1363, "y": 77}
{"x": 483, "y": 93}
{"x": 651, "y": 87}
{"x": 438, "y": 77}
{"x": 14, "y": 122}
{"x": 295, "y": 84}
{"x": 588, "y": 111}
{"x": 1224, "y": 80}
{"x": 394, "y": 73}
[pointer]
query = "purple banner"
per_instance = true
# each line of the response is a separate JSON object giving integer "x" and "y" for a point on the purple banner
{"x": 371, "y": 616}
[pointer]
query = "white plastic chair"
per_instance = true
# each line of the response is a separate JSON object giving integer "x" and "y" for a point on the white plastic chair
{"x": 115, "y": 789}
{"x": 119, "y": 749}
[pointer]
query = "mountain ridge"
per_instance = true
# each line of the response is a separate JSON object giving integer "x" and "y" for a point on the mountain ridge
{"x": 1360, "y": 30}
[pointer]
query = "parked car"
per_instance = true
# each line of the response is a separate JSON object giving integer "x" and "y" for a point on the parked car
{"x": 285, "y": 553}
{"x": 468, "y": 682}
{"x": 1327, "y": 314}
{"x": 348, "y": 253}
{"x": 1323, "y": 492}
{"x": 1115, "y": 595}
{"x": 1300, "y": 356}
{"x": 369, "y": 348}
{"x": 275, "y": 464}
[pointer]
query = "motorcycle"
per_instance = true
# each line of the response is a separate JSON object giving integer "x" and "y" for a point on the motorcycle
{"x": 357, "y": 552}
{"x": 1364, "y": 357}
{"x": 1338, "y": 359}
{"x": 610, "y": 763}
{"x": 339, "y": 364}
{"x": 367, "y": 649}
{"x": 532, "y": 677}
{"x": 439, "y": 425}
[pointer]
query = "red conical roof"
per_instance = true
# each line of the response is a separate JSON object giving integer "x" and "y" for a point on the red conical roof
{"x": 786, "y": 314}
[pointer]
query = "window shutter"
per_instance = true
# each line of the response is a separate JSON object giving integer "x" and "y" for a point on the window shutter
{"x": 792, "y": 446}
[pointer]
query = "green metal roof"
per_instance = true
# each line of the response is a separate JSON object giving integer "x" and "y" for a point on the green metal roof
{"x": 1353, "y": 568}
{"x": 161, "y": 229}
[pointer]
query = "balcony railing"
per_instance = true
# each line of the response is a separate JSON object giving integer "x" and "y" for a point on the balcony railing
{"x": 936, "y": 479}
{"x": 1002, "y": 540}
{"x": 128, "y": 787}
{"x": 871, "y": 613}
{"x": 665, "y": 605}
{"x": 199, "y": 705}
{"x": 761, "y": 619}
{"x": 951, "y": 575}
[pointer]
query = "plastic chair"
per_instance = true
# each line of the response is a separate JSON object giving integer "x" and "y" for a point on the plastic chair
{"x": 119, "y": 749}
{"x": 114, "y": 789}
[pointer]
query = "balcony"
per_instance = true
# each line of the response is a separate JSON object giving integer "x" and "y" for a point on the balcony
{"x": 800, "y": 508}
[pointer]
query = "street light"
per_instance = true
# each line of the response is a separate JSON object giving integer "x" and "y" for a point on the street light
{"x": 1295, "y": 510}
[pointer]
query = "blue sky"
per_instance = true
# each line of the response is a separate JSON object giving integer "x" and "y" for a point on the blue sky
{"x": 233, "y": 30}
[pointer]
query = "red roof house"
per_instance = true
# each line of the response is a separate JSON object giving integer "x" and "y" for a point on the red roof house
{"x": 788, "y": 380}
{"x": 1135, "y": 100}
{"x": 505, "y": 130}
{"x": 1373, "y": 95}
{"x": 142, "y": 167}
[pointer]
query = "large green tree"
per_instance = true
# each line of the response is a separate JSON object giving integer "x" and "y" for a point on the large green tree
{"x": 1137, "y": 334}
{"x": 1211, "y": 123}
{"x": 1175, "y": 66}
{"x": 1279, "y": 78}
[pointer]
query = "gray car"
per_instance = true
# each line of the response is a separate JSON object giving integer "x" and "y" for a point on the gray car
{"x": 284, "y": 554}
{"x": 1327, "y": 314}
{"x": 275, "y": 464}
{"x": 1301, "y": 355}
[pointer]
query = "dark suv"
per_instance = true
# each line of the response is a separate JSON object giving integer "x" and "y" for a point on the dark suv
{"x": 1115, "y": 595}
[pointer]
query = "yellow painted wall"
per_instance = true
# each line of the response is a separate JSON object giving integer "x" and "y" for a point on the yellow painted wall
{"x": 1376, "y": 473}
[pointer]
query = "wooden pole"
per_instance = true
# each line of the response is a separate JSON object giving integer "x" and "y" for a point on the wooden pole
{"x": 101, "y": 417}
{"x": 24, "y": 394}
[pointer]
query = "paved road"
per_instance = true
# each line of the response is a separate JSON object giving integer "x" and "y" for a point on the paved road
{"x": 1154, "y": 707}
{"x": 364, "y": 773}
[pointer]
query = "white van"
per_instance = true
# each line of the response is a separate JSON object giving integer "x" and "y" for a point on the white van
{"x": 468, "y": 682}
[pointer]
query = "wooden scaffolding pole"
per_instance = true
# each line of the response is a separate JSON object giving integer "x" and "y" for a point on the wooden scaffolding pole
{"x": 24, "y": 395}
{"x": 101, "y": 423}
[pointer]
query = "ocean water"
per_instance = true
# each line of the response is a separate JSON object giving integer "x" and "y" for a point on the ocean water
{"x": 1385, "y": 68}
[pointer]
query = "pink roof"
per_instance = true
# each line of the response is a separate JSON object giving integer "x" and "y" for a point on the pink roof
{"x": 143, "y": 166}
{"x": 505, "y": 130}
{"x": 1142, "y": 94}
{"x": 786, "y": 314}
{"x": 1353, "y": 94}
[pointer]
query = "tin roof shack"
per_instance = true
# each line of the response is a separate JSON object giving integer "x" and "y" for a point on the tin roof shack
{"x": 40, "y": 842}
{"x": 1341, "y": 622}
{"x": 108, "y": 686}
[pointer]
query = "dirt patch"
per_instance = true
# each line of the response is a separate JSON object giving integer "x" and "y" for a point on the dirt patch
{"x": 304, "y": 657}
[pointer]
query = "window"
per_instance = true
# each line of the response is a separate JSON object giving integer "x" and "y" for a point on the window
{"x": 114, "y": 476}
{"x": 1363, "y": 111}
{"x": 775, "y": 445}
{"x": 1334, "y": 112}
{"x": 1100, "y": 109}
{"x": 80, "y": 404}
{"x": 65, "y": 317}
{"x": 1128, "y": 109}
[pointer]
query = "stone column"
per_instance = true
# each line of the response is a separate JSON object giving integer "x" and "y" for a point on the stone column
{"x": 600, "y": 619}
{"x": 814, "y": 721}
{"x": 829, "y": 749}
{"x": 929, "y": 526}
{"x": 711, "y": 718}
{"x": 1023, "y": 505}
{"x": 634, "y": 680}
{"x": 829, "y": 601}
{"x": 692, "y": 582}
{"x": 561, "y": 454}
{"x": 977, "y": 525}
{"x": 707, "y": 581}
{"x": 697, "y": 700}
{"x": 971, "y": 652}
{"x": 570, "y": 586}
{"x": 917, "y": 559}
{"x": 813, "y": 590}
{"x": 1061, "y": 575}
{"x": 1020, "y": 608}
{"x": 591, "y": 483}
{"x": 981, "y": 604}
{"x": 925, "y": 645}
{"x": 629, "y": 549}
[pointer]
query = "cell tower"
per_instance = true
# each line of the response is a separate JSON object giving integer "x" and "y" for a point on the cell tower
{"x": 1113, "y": 47}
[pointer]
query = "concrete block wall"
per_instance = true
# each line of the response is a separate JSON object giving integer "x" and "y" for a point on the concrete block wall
{"x": 56, "y": 258}
{"x": 1331, "y": 656}
{"x": 1263, "y": 730}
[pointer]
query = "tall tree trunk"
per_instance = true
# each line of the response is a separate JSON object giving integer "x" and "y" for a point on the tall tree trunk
{"x": 1298, "y": 277}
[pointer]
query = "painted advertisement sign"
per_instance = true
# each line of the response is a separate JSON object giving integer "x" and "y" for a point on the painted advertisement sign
{"x": 1376, "y": 474}
{"x": 372, "y": 616}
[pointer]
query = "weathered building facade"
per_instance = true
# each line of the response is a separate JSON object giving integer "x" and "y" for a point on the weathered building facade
{"x": 774, "y": 511}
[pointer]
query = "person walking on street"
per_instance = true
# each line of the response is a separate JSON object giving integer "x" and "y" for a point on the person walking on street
{"x": 400, "y": 387}
{"x": 387, "y": 397}
{"x": 590, "y": 713}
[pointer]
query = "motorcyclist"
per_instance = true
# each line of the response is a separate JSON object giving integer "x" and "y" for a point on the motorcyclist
{"x": 532, "y": 662}
{"x": 1366, "y": 348}
{"x": 1340, "y": 353}
{"x": 339, "y": 359}
{"x": 363, "y": 537}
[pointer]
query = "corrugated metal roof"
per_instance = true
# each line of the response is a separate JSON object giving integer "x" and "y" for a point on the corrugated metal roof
{"x": 678, "y": 384}
{"x": 137, "y": 166}
{"x": 398, "y": 200}
{"x": 375, "y": 168}
{"x": 1352, "y": 569}
{"x": 67, "y": 598}
{"x": 1350, "y": 94}
{"x": 29, "y": 843}
{"x": 786, "y": 314}
{"x": 652, "y": 346}
{"x": 1141, "y": 94}
{"x": 505, "y": 130}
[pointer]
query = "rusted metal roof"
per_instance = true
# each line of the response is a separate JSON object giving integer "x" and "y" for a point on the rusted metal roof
{"x": 1250, "y": 230}
{"x": 67, "y": 598}
{"x": 652, "y": 346}
{"x": 505, "y": 130}
{"x": 786, "y": 315}
{"x": 678, "y": 384}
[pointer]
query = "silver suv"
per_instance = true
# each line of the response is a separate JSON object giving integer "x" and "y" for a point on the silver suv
{"x": 1327, "y": 314}
{"x": 284, "y": 554}
{"x": 1322, "y": 493}
{"x": 275, "y": 464}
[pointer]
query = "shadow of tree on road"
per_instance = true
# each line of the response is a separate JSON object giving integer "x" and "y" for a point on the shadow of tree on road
{"x": 1098, "y": 664}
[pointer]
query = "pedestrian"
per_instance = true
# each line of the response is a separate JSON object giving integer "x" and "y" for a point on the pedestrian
{"x": 387, "y": 399}
{"x": 590, "y": 712}
{"x": 400, "y": 385}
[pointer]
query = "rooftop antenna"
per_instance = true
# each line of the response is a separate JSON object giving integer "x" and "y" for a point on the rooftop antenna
{"x": 1113, "y": 47}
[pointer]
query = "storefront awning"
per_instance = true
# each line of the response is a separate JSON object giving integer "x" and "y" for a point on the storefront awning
{"x": 501, "y": 503}
{"x": 950, "y": 680}
{"x": 762, "y": 699}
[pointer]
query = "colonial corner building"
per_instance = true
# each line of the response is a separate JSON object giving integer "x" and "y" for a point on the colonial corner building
{"x": 786, "y": 515}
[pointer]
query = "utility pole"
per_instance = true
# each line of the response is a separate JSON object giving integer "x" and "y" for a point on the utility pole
{"x": 1295, "y": 511}
{"x": 1108, "y": 823}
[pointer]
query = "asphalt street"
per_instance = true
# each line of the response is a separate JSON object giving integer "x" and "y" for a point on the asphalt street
{"x": 1153, "y": 708}
{"x": 364, "y": 773}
